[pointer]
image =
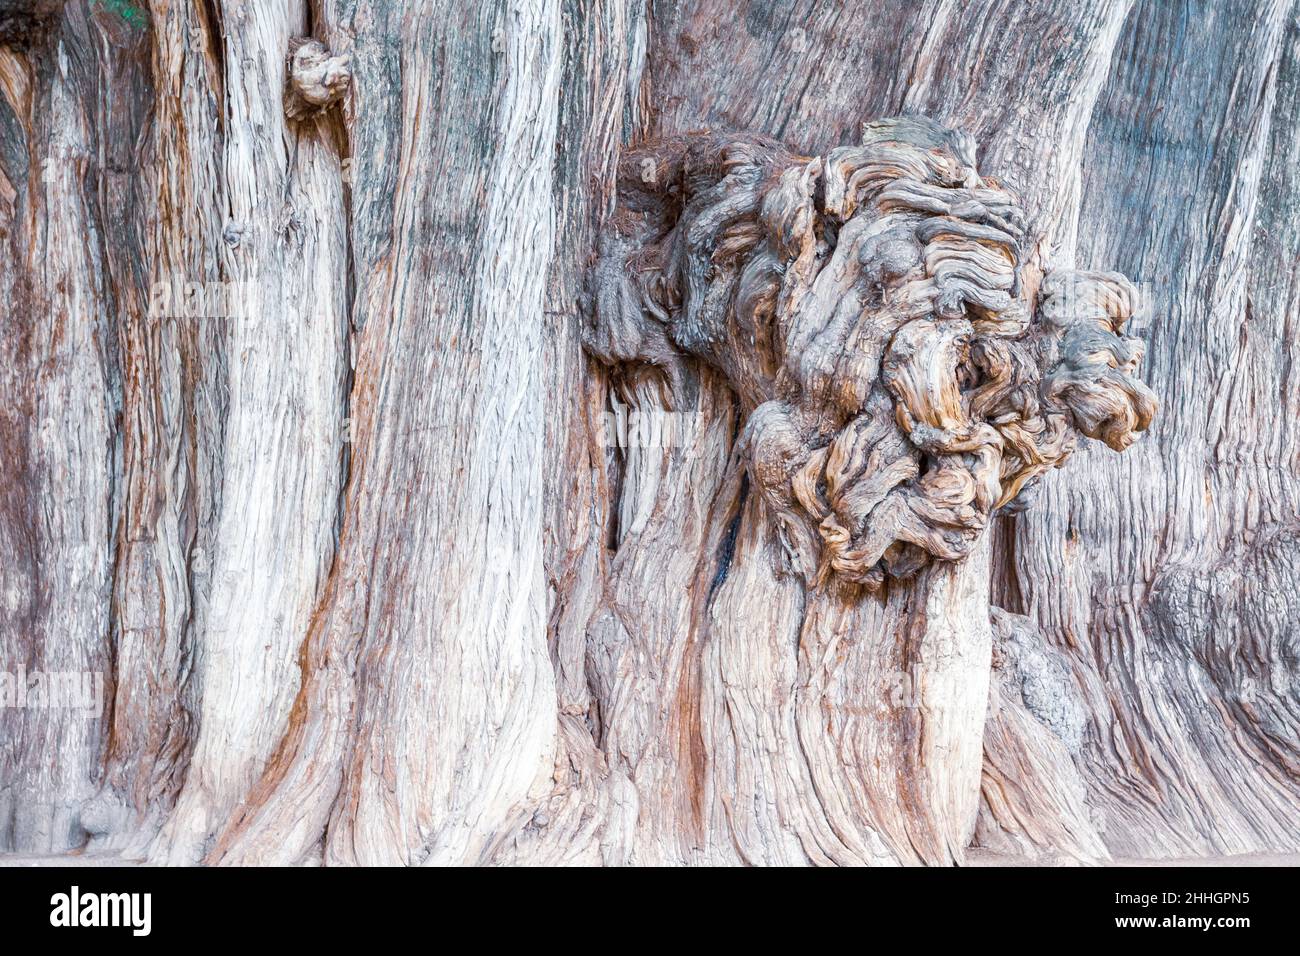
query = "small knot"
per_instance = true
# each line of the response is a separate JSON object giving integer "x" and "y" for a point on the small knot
{"x": 233, "y": 234}
{"x": 316, "y": 79}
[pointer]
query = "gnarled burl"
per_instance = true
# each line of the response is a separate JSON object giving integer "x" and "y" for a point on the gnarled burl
{"x": 315, "y": 79}
{"x": 903, "y": 374}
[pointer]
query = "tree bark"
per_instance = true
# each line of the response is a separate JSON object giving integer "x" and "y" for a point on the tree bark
{"x": 392, "y": 561}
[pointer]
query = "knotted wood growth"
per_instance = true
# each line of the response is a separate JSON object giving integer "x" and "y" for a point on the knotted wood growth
{"x": 316, "y": 79}
{"x": 902, "y": 376}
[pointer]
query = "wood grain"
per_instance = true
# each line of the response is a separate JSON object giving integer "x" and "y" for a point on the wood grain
{"x": 387, "y": 567}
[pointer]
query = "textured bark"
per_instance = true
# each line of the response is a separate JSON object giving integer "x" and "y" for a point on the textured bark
{"x": 381, "y": 564}
{"x": 436, "y": 585}
{"x": 60, "y": 387}
{"x": 1169, "y": 579}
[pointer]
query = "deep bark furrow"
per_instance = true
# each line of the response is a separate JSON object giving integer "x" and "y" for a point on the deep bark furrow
{"x": 1154, "y": 570}
{"x": 401, "y": 556}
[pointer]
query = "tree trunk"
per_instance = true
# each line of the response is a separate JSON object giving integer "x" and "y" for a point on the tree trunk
{"x": 361, "y": 441}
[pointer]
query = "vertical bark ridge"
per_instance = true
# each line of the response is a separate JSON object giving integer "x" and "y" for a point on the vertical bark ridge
{"x": 283, "y": 241}
{"x": 437, "y": 586}
{"x": 61, "y": 394}
{"x": 1165, "y": 575}
{"x": 173, "y": 370}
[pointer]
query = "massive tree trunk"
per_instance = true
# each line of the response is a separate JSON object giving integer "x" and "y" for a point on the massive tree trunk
{"x": 390, "y": 549}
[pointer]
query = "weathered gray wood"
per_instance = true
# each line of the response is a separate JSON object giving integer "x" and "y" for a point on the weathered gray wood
{"x": 1168, "y": 575}
{"x": 436, "y": 587}
{"x": 171, "y": 421}
{"x": 283, "y": 437}
{"x": 698, "y": 721}
{"x": 58, "y": 387}
{"x": 399, "y": 573}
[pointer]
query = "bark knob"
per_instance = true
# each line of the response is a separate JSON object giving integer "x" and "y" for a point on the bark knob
{"x": 316, "y": 78}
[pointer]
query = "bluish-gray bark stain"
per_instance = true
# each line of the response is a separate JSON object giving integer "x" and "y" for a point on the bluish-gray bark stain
{"x": 727, "y": 549}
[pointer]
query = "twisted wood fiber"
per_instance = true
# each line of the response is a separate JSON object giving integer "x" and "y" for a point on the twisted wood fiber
{"x": 901, "y": 381}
